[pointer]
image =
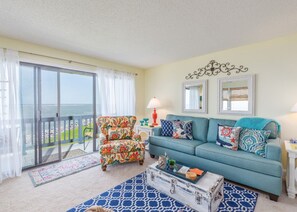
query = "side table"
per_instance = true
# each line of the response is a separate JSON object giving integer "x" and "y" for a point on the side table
{"x": 291, "y": 178}
{"x": 148, "y": 131}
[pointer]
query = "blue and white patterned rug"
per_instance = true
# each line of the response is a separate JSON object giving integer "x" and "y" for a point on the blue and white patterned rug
{"x": 135, "y": 195}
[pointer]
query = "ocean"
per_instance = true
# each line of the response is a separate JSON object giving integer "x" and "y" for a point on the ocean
{"x": 49, "y": 110}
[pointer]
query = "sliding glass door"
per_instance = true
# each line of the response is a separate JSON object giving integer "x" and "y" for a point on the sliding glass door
{"x": 48, "y": 130}
{"x": 58, "y": 114}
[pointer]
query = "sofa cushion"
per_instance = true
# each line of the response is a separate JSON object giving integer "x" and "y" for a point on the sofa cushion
{"x": 213, "y": 128}
{"x": 228, "y": 137}
{"x": 200, "y": 125}
{"x": 253, "y": 141}
{"x": 181, "y": 145}
{"x": 167, "y": 128}
{"x": 239, "y": 159}
{"x": 182, "y": 129}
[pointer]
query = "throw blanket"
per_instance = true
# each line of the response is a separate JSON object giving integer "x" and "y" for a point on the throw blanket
{"x": 255, "y": 123}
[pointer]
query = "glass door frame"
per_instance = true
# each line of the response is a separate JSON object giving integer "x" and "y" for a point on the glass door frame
{"x": 40, "y": 70}
{"x": 37, "y": 69}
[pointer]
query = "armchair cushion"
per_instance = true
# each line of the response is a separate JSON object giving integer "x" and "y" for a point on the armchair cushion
{"x": 121, "y": 146}
{"x": 119, "y": 133}
{"x": 105, "y": 122}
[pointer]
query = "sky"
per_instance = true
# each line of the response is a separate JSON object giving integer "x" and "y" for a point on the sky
{"x": 75, "y": 89}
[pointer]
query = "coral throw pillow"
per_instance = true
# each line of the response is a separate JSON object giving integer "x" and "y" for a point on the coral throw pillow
{"x": 228, "y": 137}
{"x": 182, "y": 129}
{"x": 119, "y": 133}
{"x": 254, "y": 141}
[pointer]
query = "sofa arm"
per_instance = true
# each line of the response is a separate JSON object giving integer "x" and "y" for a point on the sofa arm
{"x": 273, "y": 149}
{"x": 157, "y": 131}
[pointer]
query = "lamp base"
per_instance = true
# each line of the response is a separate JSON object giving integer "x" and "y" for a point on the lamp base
{"x": 154, "y": 115}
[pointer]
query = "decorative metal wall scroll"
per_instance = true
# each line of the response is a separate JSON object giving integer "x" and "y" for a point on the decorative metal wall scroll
{"x": 213, "y": 68}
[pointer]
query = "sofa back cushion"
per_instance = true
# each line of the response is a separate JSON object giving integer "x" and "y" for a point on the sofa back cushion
{"x": 199, "y": 125}
{"x": 213, "y": 128}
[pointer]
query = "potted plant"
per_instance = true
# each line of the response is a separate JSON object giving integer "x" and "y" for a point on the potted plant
{"x": 171, "y": 164}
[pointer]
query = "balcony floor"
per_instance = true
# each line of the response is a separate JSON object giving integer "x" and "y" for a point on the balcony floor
{"x": 50, "y": 154}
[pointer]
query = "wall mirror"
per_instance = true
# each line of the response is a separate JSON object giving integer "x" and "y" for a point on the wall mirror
{"x": 195, "y": 96}
{"x": 236, "y": 95}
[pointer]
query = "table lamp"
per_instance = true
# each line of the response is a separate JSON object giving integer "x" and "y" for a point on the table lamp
{"x": 154, "y": 103}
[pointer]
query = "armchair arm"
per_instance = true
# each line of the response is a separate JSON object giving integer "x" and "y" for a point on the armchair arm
{"x": 102, "y": 139}
{"x": 136, "y": 137}
{"x": 157, "y": 131}
{"x": 273, "y": 149}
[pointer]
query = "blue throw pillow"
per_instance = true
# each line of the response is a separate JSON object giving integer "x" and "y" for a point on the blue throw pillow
{"x": 167, "y": 128}
{"x": 253, "y": 141}
{"x": 182, "y": 129}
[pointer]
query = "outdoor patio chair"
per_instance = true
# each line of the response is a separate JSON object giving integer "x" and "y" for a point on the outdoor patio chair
{"x": 118, "y": 142}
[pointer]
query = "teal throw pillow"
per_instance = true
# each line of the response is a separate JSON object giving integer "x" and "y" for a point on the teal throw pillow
{"x": 253, "y": 141}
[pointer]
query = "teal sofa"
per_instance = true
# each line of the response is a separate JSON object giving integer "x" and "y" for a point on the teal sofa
{"x": 239, "y": 166}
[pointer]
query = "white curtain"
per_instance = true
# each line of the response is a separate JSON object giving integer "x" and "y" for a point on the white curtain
{"x": 116, "y": 93}
{"x": 10, "y": 123}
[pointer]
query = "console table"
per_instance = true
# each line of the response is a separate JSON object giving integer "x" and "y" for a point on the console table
{"x": 147, "y": 130}
{"x": 291, "y": 178}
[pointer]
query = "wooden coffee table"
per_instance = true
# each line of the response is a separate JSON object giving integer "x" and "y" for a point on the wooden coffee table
{"x": 205, "y": 195}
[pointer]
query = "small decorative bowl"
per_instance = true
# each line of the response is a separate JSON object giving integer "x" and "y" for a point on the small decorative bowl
{"x": 145, "y": 119}
{"x": 141, "y": 122}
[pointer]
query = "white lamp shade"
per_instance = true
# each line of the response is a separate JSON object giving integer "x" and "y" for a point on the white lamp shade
{"x": 154, "y": 103}
{"x": 294, "y": 108}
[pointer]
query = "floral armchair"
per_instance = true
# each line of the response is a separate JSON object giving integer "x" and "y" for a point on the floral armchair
{"x": 118, "y": 142}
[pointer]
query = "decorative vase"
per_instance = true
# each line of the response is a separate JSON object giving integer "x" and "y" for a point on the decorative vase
{"x": 146, "y": 121}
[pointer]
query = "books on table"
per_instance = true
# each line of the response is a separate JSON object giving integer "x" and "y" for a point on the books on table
{"x": 183, "y": 170}
{"x": 197, "y": 171}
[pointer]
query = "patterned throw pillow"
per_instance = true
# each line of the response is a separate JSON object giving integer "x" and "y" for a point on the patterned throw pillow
{"x": 182, "y": 129}
{"x": 119, "y": 133}
{"x": 228, "y": 137}
{"x": 253, "y": 141}
{"x": 167, "y": 128}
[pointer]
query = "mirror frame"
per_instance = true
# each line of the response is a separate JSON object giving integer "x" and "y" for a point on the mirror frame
{"x": 251, "y": 94}
{"x": 204, "y": 93}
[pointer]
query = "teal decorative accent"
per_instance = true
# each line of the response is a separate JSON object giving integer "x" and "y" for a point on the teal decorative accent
{"x": 253, "y": 141}
{"x": 258, "y": 123}
{"x": 146, "y": 121}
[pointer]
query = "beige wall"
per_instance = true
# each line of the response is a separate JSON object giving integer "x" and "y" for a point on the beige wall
{"x": 33, "y": 48}
{"x": 274, "y": 63}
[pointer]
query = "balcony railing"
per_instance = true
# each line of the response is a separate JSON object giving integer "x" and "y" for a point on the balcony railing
{"x": 71, "y": 128}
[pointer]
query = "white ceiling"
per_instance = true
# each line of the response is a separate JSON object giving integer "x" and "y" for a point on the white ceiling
{"x": 146, "y": 33}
